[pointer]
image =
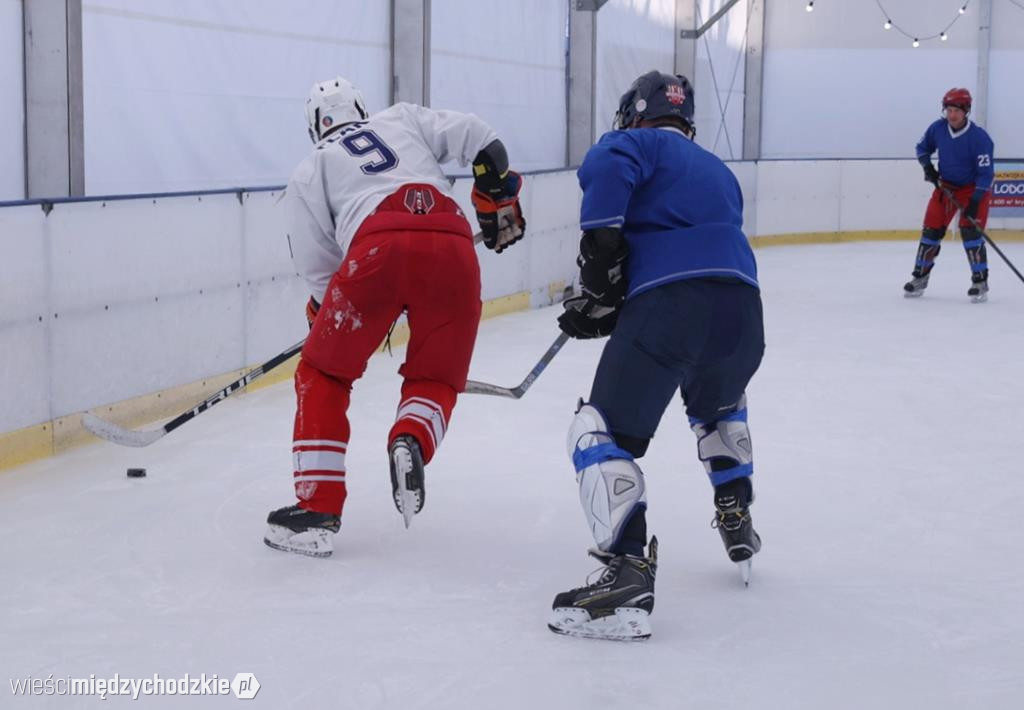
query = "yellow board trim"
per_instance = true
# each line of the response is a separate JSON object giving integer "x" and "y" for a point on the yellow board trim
{"x": 773, "y": 240}
{"x": 25, "y": 445}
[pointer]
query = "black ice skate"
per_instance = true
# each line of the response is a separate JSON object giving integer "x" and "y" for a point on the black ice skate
{"x": 916, "y": 286}
{"x": 978, "y": 291}
{"x": 407, "y": 476}
{"x": 294, "y": 529}
{"x": 732, "y": 518}
{"x": 617, "y": 606}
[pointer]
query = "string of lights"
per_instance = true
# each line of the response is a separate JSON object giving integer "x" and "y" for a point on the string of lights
{"x": 916, "y": 39}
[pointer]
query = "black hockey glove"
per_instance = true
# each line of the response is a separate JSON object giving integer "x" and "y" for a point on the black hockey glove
{"x": 971, "y": 211}
{"x": 930, "y": 173}
{"x": 312, "y": 308}
{"x": 585, "y": 318}
{"x": 601, "y": 259}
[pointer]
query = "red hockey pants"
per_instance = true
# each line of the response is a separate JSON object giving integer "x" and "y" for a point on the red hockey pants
{"x": 424, "y": 264}
{"x": 938, "y": 215}
{"x": 941, "y": 209}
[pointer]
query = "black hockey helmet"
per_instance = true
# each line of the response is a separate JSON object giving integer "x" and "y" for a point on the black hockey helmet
{"x": 656, "y": 95}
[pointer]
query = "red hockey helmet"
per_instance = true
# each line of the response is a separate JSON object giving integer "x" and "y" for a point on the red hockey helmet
{"x": 961, "y": 98}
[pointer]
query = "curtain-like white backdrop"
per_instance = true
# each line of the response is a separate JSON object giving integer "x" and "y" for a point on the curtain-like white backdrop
{"x": 209, "y": 93}
{"x": 836, "y": 84}
{"x": 721, "y": 71}
{"x": 511, "y": 74}
{"x": 633, "y": 37}
{"x": 1006, "y": 79}
{"x": 12, "y": 103}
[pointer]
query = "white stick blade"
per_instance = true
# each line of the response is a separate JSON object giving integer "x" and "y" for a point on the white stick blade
{"x": 119, "y": 435}
{"x": 474, "y": 387}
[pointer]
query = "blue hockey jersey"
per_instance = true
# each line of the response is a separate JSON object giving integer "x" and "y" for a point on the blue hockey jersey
{"x": 679, "y": 206}
{"x": 965, "y": 157}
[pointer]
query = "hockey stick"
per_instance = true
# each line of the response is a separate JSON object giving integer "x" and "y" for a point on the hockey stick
{"x": 129, "y": 437}
{"x": 981, "y": 231}
{"x": 474, "y": 387}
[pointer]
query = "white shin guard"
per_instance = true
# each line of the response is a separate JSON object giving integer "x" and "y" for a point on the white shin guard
{"x": 611, "y": 484}
{"x": 728, "y": 438}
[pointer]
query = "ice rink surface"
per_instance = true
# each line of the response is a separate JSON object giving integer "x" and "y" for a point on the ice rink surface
{"x": 887, "y": 436}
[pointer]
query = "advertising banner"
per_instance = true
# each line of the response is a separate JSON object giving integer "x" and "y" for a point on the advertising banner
{"x": 1008, "y": 191}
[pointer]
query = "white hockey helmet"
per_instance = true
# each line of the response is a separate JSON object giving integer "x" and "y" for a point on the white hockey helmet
{"x": 333, "y": 103}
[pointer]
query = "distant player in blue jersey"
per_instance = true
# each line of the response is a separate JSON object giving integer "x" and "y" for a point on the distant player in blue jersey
{"x": 665, "y": 270}
{"x": 965, "y": 169}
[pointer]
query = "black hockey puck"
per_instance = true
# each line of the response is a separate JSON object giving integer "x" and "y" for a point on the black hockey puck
{"x": 136, "y": 473}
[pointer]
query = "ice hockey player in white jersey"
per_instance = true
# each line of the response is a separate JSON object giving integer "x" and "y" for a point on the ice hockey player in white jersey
{"x": 374, "y": 231}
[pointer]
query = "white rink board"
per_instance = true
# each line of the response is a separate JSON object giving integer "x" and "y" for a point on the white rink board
{"x": 146, "y": 294}
{"x": 804, "y": 196}
{"x": 25, "y": 316}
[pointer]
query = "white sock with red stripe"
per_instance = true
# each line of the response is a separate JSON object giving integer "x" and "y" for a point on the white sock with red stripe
{"x": 317, "y": 461}
{"x": 424, "y": 413}
{"x": 320, "y": 440}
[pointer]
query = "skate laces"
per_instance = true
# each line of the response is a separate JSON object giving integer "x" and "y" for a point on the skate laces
{"x": 606, "y": 574}
{"x": 730, "y": 515}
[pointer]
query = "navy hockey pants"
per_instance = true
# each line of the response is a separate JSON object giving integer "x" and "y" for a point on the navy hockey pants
{"x": 701, "y": 337}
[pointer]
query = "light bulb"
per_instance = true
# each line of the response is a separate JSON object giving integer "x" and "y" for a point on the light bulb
{"x": 963, "y": 9}
{"x": 810, "y": 6}
{"x": 943, "y": 37}
{"x": 888, "y": 24}
{"x": 916, "y": 43}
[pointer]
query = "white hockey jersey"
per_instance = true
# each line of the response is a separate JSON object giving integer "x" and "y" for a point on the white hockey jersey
{"x": 354, "y": 169}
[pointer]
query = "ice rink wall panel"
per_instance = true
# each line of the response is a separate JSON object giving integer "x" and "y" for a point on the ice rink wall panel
{"x": 25, "y": 317}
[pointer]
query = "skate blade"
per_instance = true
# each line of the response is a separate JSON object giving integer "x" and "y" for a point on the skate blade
{"x": 311, "y": 543}
{"x": 626, "y": 624}
{"x": 913, "y": 294}
{"x": 406, "y": 503}
{"x": 979, "y": 299}
{"x": 745, "y": 568}
{"x": 407, "y": 500}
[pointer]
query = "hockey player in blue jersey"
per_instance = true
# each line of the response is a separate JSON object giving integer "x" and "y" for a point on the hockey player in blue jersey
{"x": 965, "y": 170}
{"x": 666, "y": 270}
